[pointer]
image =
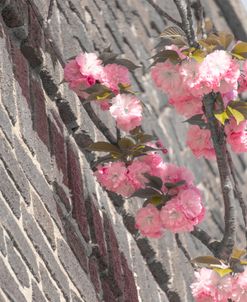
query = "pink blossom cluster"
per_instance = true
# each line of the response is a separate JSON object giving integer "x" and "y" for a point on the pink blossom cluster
{"x": 209, "y": 286}
{"x": 187, "y": 82}
{"x": 87, "y": 69}
{"x": 180, "y": 214}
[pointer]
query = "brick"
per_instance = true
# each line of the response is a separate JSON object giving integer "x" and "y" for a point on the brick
{"x": 115, "y": 265}
{"x": 45, "y": 252}
{"x": 19, "y": 240}
{"x": 17, "y": 264}
{"x": 58, "y": 146}
{"x": 14, "y": 13}
{"x": 37, "y": 181}
{"x": 75, "y": 298}
{"x": 31, "y": 47}
{"x": 67, "y": 114}
{"x": 62, "y": 194}
{"x": 44, "y": 219}
{"x": 107, "y": 292}
{"x": 14, "y": 170}
{"x": 9, "y": 285}
{"x": 76, "y": 187}
{"x": 39, "y": 116}
{"x": 21, "y": 70}
{"x": 94, "y": 273}
{"x": 130, "y": 291}
{"x": 96, "y": 231}
{"x": 6, "y": 125}
{"x": 76, "y": 245}
{"x": 37, "y": 295}
{"x": 2, "y": 243}
{"x": 74, "y": 270}
{"x": 9, "y": 192}
{"x": 49, "y": 289}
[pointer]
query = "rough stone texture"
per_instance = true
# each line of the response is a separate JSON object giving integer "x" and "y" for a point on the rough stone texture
{"x": 62, "y": 238}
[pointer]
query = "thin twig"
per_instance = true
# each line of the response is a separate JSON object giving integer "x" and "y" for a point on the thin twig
{"x": 99, "y": 124}
{"x": 207, "y": 240}
{"x": 238, "y": 193}
{"x": 164, "y": 14}
{"x": 218, "y": 137}
{"x": 182, "y": 248}
{"x": 187, "y": 22}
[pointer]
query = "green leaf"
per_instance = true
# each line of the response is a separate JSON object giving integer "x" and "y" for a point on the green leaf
{"x": 172, "y": 185}
{"x": 222, "y": 271}
{"x": 222, "y": 117}
{"x": 104, "y": 147}
{"x": 236, "y": 253}
{"x": 206, "y": 261}
{"x": 197, "y": 120}
{"x": 154, "y": 181}
{"x": 127, "y": 63}
{"x": 172, "y": 32}
{"x": 125, "y": 143}
{"x": 225, "y": 39}
{"x": 164, "y": 55}
{"x": 238, "y": 109}
{"x": 145, "y": 193}
{"x": 96, "y": 88}
{"x": 154, "y": 200}
{"x": 240, "y": 49}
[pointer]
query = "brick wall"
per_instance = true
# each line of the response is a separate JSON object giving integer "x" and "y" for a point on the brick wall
{"x": 62, "y": 238}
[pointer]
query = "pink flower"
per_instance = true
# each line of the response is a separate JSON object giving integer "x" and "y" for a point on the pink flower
{"x": 189, "y": 71}
{"x": 237, "y": 135}
{"x": 218, "y": 72}
{"x": 239, "y": 293}
{"x": 114, "y": 177}
{"x": 127, "y": 110}
{"x": 82, "y": 72}
{"x": 243, "y": 78}
{"x": 113, "y": 75}
{"x": 200, "y": 143}
{"x": 187, "y": 105}
{"x": 204, "y": 288}
{"x": 166, "y": 76}
{"x": 136, "y": 171}
{"x": 148, "y": 222}
{"x": 183, "y": 212}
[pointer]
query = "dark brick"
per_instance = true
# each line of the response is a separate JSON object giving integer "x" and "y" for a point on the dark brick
{"x": 68, "y": 116}
{"x": 31, "y": 47}
{"x": 130, "y": 291}
{"x": 37, "y": 181}
{"x": 9, "y": 285}
{"x": 62, "y": 194}
{"x": 14, "y": 170}
{"x": 74, "y": 270}
{"x": 21, "y": 70}
{"x": 58, "y": 146}
{"x": 76, "y": 245}
{"x": 17, "y": 264}
{"x": 45, "y": 252}
{"x": 48, "y": 287}
{"x": 2, "y": 243}
{"x": 76, "y": 187}
{"x": 39, "y": 116}
{"x": 115, "y": 266}
{"x": 9, "y": 192}
{"x": 107, "y": 292}
{"x": 14, "y": 13}
{"x": 94, "y": 273}
{"x": 43, "y": 219}
{"x": 96, "y": 231}
{"x": 18, "y": 238}
{"x": 37, "y": 295}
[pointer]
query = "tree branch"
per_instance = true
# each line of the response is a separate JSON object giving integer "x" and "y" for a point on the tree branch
{"x": 238, "y": 193}
{"x": 184, "y": 10}
{"x": 161, "y": 12}
{"x": 207, "y": 240}
{"x": 218, "y": 137}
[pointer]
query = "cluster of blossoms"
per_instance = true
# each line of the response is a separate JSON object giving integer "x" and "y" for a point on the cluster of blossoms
{"x": 87, "y": 70}
{"x": 188, "y": 81}
{"x": 181, "y": 213}
{"x": 209, "y": 286}
{"x": 182, "y": 207}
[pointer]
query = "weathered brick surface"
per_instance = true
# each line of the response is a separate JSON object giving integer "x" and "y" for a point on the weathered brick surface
{"x": 47, "y": 251}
